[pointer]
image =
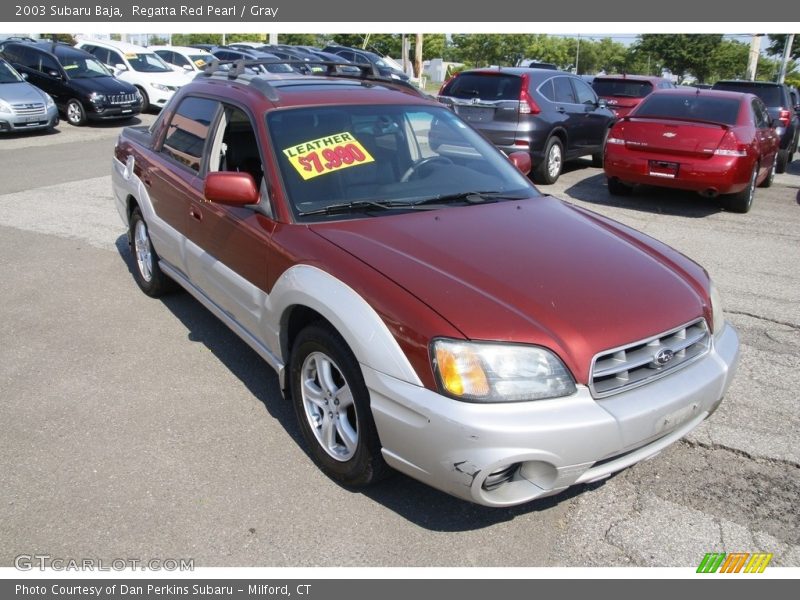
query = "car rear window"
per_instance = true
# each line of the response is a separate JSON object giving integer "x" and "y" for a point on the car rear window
{"x": 622, "y": 87}
{"x": 486, "y": 86}
{"x": 770, "y": 94}
{"x": 695, "y": 107}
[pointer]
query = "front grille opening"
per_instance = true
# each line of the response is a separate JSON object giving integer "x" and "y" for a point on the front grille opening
{"x": 500, "y": 477}
{"x": 640, "y": 362}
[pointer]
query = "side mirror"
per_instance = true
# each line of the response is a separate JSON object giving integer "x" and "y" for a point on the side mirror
{"x": 55, "y": 74}
{"x": 521, "y": 160}
{"x": 601, "y": 103}
{"x": 773, "y": 122}
{"x": 120, "y": 67}
{"x": 24, "y": 76}
{"x": 231, "y": 188}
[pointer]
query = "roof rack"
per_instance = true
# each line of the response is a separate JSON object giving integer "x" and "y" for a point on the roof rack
{"x": 235, "y": 69}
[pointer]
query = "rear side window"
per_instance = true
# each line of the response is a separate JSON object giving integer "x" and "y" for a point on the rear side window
{"x": 188, "y": 130}
{"x": 584, "y": 92}
{"x": 622, "y": 87}
{"x": 696, "y": 108}
{"x": 484, "y": 86}
{"x": 563, "y": 90}
{"x": 771, "y": 95}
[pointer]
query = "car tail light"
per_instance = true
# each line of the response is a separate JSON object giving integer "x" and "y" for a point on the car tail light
{"x": 785, "y": 116}
{"x": 527, "y": 105}
{"x": 616, "y": 136}
{"x": 730, "y": 146}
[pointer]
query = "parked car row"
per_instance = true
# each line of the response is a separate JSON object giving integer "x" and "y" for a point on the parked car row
{"x": 642, "y": 130}
{"x": 102, "y": 80}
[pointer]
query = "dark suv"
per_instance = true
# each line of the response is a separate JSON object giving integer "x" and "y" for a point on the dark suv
{"x": 82, "y": 88}
{"x": 553, "y": 115}
{"x": 777, "y": 98}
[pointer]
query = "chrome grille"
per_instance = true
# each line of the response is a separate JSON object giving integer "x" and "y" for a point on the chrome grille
{"x": 641, "y": 362}
{"x": 34, "y": 109}
{"x": 122, "y": 99}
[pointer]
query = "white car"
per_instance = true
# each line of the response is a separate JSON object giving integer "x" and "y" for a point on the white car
{"x": 184, "y": 58}
{"x": 154, "y": 78}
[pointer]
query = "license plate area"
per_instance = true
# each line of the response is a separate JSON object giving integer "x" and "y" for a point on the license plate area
{"x": 661, "y": 168}
{"x": 476, "y": 114}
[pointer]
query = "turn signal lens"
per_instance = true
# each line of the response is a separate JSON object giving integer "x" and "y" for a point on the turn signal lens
{"x": 461, "y": 372}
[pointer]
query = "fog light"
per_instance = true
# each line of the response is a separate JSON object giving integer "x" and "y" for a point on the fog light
{"x": 500, "y": 477}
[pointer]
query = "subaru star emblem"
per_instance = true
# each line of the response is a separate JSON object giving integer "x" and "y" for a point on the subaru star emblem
{"x": 663, "y": 356}
{"x": 669, "y": 134}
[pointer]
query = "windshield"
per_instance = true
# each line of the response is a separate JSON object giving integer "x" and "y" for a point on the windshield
{"x": 622, "y": 87}
{"x": 8, "y": 74}
{"x": 695, "y": 107}
{"x": 388, "y": 155}
{"x": 147, "y": 62}
{"x": 769, "y": 94}
{"x": 80, "y": 67}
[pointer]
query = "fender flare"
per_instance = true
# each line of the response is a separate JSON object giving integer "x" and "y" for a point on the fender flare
{"x": 353, "y": 318}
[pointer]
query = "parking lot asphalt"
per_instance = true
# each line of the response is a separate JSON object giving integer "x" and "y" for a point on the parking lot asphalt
{"x": 143, "y": 428}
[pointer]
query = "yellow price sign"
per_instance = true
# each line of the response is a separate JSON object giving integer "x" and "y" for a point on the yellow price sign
{"x": 327, "y": 154}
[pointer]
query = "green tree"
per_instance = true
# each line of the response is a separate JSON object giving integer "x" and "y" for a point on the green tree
{"x": 682, "y": 53}
{"x": 302, "y": 39}
{"x": 778, "y": 40}
{"x": 59, "y": 37}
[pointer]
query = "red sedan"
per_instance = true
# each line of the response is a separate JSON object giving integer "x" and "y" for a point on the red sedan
{"x": 707, "y": 141}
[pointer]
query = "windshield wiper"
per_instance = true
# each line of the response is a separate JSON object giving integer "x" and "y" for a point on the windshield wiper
{"x": 358, "y": 206}
{"x": 471, "y": 198}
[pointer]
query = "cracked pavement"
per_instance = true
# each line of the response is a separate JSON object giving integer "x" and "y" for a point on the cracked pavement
{"x": 144, "y": 428}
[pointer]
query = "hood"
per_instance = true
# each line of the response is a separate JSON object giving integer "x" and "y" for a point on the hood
{"x": 174, "y": 78}
{"x": 16, "y": 93}
{"x": 102, "y": 85}
{"x": 537, "y": 271}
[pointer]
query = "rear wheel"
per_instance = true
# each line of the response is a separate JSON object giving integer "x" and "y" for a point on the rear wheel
{"x": 783, "y": 160}
{"x": 549, "y": 169}
{"x": 147, "y": 273}
{"x": 331, "y": 402}
{"x": 742, "y": 202}
{"x": 597, "y": 157}
{"x": 617, "y": 188}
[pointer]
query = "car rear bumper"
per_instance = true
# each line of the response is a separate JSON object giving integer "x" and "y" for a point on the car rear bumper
{"x": 551, "y": 444}
{"x": 715, "y": 175}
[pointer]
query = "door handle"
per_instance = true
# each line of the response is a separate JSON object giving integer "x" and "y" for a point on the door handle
{"x": 196, "y": 214}
{"x": 561, "y": 109}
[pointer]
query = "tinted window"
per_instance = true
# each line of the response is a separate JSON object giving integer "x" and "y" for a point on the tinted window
{"x": 48, "y": 64}
{"x": 622, "y": 87}
{"x": 563, "y": 90}
{"x": 8, "y": 74}
{"x": 179, "y": 60}
{"x": 23, "y": 56}
{"x": 584, "y": 92}
{"x": 771, "y": 95}
{"x": 115, "y": 58}
{"x": 546, "y": 90}
{"x": 485, "y": 86}
{"x": 188, "y": 131}
{"x": 695, "y": 107}
{"x": 758, "y": 115}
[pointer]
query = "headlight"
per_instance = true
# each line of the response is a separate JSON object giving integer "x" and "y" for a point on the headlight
{"x": 718, "y": 317}
{"x": 490, "y": 372}
{"x": 97, "y": 98}
{"x": 48, "y": 101}
{"x": 5, "y": 107}
{"x": 163, "y": 88}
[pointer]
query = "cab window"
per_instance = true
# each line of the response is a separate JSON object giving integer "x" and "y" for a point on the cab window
{"x": 188, "y": 131}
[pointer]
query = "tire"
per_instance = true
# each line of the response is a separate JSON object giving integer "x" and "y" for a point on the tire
{"x": 617, "y": 188}
{"x": 76, "y": 115}
{"x": 145, "y": 99}
{"x": 549, "y": 170}
{"x": 771, "y": 177}
{"x": 783, "y": 160}
{"x": 148, "y": 275}
{"x": 742, "y": 202}
{"x": 597, "y": 157}
{"x": 332, "y": 406}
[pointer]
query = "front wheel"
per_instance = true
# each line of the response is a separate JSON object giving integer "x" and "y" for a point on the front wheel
{"x": 550, "y": 168}
{"x": 145, "y": 99}
{"x": 76, "y": 115}
{"x": 742, "y": 202}
{"x": 332, "y": 405}
{"x": 783, "y": 161}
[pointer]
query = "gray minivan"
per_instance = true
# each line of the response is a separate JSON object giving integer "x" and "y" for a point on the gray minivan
{"x": 553, "y": 115}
